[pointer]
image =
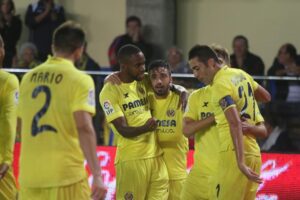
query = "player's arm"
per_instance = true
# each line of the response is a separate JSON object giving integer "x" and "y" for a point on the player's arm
{"x": 87, "y": 139}
{"x": 235, "y": 125}
{"x": 259, "y": 130}
{"x": 191, "y": 126}
{"x": 10, "y": 112}
{"x": 262, "y": 95}
{"x": 129, "y": 132}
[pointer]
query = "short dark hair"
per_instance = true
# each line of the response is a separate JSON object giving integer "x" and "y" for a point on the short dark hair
{"x": 241, "y": 37}
{"x": 126, "y": 52}
{"x": 291, "y": 49}
{"x": 134, "y": 18}
{"x": 159, "y": 63}
{"x": 203, "y": 53}
{"x": 68, "y": 37}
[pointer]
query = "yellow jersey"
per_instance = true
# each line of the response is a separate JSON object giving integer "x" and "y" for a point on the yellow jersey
{"x": 234, "y": 87}
{"x": 51, "y": 155}
{"x": 9, "y": 93}
{"x": 206, "y": 152}
{"x": 129, "y": 100}
{"x": 169, "y": 131}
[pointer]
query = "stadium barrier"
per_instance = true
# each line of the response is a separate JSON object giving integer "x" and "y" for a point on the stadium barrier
{"x": 280, "y": 173}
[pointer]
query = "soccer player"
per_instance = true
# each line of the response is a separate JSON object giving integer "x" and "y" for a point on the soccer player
{"x": 233, "y": 93}
{"x": 140, "y": 169}
{"x": 55, "y": 111}
{"x": 164, "y": 106}
{"x": 9, "y": 92}
{"x": 199, "y": 122}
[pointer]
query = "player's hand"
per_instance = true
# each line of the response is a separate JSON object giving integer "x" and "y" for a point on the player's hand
{"x": 151, "y": 124}
{"x": 98, "y": 188}
{"x": 113, "y": 78}
{"x": 251, "y": 175}
{"x": 3, "y": 169}
{"x": 246, "y": 127}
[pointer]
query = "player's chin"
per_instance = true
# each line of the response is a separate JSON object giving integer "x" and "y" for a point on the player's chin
{"x": 160, "y": 92}
{"x": 140, "y": 77}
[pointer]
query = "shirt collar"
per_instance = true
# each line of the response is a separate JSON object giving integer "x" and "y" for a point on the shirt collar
{"x": 61, "y": 61}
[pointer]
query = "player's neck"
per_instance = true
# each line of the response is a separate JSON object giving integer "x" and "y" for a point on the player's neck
{"x": 125, "y": 78}
{"x": 69, "y": 57}
{"x": 164, "y": 96}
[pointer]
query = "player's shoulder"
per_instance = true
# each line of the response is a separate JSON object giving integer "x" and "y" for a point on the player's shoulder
{"x": 82, "y": 76}
{"x": 199, "y": 92}
{"x": 109, "y": 86}
{"x": 8, "y": 79}
{"x": 108, "y": 89}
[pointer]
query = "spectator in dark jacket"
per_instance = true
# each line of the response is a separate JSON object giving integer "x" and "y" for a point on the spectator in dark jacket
{"x": 133, "y": 36}
{"x": 287, "y": 63}
{"x": 242, "y": 58}
{"x": 42, "y": 18}
{"x": 86, "y": 62}
{"x": 10, "y": 30}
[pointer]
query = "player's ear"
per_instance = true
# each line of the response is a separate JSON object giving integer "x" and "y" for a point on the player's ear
{"x": 211, "y": 62}
{"x": 78, "y": 52}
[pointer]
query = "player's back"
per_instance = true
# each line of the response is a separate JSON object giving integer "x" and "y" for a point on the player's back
{"x": 49, "y": 95}
{"x": 237, "y": 86}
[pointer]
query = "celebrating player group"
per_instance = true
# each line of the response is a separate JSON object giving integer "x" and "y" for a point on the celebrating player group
{"x": 151, "y": 117}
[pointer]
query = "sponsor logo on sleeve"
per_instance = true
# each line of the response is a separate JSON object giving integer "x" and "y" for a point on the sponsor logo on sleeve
{"x": 91, "y": 97}
{"x": 108, "y": 108}
{"x": 16, "y": 97}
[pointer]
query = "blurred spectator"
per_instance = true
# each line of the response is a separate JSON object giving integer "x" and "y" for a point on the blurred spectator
{"x": 27, "y": 56}
{"x": 287, "y": 63}
{"x": 222, "y": 53}
{"x": 134, "y": 36}
{"x": 278, "y": 138}
{"x": 176, "y": 61}
{"x": 10, "y": 30}
{"x": 42, "y": 18}
{"x": 242, "y": 58}
{"x": 86, "y": 62}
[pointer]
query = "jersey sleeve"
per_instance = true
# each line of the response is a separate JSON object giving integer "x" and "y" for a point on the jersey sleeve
{"x": 9, "y": 106}
{"x": 109, "y": 102}
{"x": 191, "y": 111}
{"x": 253, "y": 83}
{"x": 84, "y": 95}
{"x": 222, "y": 95}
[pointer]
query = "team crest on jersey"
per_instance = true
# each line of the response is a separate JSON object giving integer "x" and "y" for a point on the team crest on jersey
{"x": 91, "y": 97}
{"x": 170, "y": 113}
{"x": 128, "y": 196}
{"x": 108, "y": 108}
